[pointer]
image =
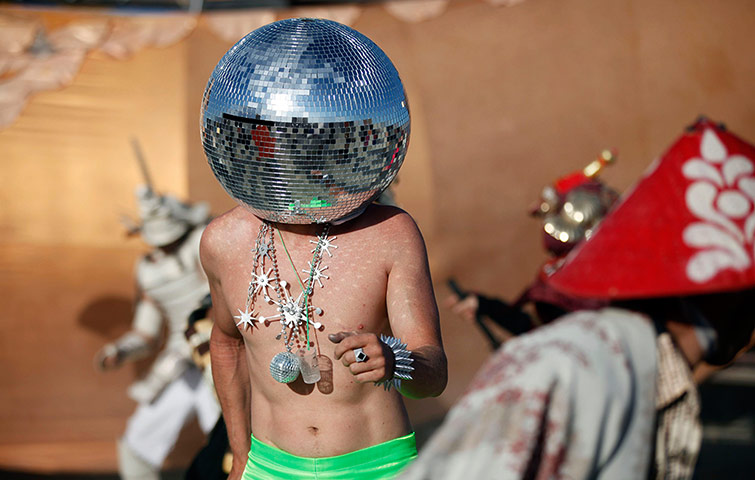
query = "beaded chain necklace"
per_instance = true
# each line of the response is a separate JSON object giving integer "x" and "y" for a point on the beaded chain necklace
{"x": 294, "y": 315}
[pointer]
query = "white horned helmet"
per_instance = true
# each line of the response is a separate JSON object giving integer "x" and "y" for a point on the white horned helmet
{"x": 163, "y": 218}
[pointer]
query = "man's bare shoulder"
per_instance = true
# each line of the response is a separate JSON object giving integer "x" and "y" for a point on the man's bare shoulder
{"x": 391, "y": 233}
{"x": 386, "y": 220}
{"x": 235, "y": 221}
{"x": 226, "y": 231}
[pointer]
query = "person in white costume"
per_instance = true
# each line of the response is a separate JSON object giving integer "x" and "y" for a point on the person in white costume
{"x": 171, "y": 285}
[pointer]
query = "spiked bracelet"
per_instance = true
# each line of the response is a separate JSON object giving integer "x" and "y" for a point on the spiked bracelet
{"x": 402, "y": 363}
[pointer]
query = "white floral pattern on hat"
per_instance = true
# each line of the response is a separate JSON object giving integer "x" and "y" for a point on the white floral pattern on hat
{"x": 723, "y": 198}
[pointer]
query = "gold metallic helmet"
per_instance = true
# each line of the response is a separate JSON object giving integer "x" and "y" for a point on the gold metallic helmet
{"x": 573, "y": 206}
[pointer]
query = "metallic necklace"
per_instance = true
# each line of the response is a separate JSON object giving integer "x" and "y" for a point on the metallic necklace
{"x": 294, "y": 315}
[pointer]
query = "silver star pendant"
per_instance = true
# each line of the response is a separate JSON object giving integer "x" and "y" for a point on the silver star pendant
{"x": 292, "y": 313}
{"x": 264, "y": 250}
{"x": 246, "y": 319}
{"x": 316, "y": 273}
{"x": 262, "y": 281}
{"x": 325, "y": 244}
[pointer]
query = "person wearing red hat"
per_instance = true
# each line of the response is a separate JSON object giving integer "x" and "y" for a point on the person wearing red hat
{"x": 609, "y": 393}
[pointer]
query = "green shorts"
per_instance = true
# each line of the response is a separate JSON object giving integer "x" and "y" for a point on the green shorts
{"x": 382, "y": 461}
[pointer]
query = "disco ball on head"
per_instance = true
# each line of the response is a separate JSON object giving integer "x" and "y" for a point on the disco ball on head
{"x": 305, "y": 121}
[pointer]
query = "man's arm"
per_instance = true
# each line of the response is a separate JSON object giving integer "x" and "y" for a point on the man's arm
{"x": 413, "y": 313}
{"x": 413, "y": 316}
{"x": 141, "y": 340}
{"x": 229, "y": 366}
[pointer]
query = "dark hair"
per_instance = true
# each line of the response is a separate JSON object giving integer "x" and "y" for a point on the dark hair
{"x": 731, "y": 314}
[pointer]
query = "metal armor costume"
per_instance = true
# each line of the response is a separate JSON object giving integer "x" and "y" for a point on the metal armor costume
{"x": 171, "y": 284}
{"x": 569, "y": 209}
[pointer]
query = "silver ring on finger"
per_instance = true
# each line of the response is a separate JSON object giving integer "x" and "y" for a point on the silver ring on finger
{"x": 360, "y": 355}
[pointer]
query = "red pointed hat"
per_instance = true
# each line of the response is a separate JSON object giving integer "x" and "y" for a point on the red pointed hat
{"x": 685, "y": 228}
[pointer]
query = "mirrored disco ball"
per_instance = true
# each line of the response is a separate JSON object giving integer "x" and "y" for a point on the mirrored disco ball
{"x": 284, "y": 367}
{"x": 305, "y": 121}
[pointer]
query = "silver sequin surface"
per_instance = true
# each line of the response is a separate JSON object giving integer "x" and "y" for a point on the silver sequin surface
{"x": 284, "y": 367}
{"x": 305, "y": 121}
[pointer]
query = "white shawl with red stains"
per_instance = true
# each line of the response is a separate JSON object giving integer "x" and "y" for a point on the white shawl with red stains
{"x": 571, "y": 400}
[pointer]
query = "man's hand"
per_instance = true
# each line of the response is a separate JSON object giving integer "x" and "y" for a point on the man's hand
{"x": 466, "y": 307}
{"x": 108, "y": 358}
{"x": 132, "y": 345}
{"x": 380, "y": 361}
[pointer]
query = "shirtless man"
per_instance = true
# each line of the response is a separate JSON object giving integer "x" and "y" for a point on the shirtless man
{"x": 334, "y": 277}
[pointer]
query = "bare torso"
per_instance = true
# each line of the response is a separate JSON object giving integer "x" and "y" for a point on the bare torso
{"x": 336, "y": 415}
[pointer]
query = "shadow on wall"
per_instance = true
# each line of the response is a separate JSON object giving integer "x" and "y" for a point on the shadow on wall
{"x": 110, "y": 317}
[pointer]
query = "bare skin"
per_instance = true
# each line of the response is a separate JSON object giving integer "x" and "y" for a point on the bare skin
{"x": 685, "y": 338}
{"x": 379, "y": 283}
{"x": 466, "y": 307}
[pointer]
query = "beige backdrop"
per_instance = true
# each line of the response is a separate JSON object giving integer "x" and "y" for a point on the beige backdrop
{"x": 503, "y": 101}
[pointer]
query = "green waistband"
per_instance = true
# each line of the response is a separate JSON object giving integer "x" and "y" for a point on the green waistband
{"x": 384, "y": 460}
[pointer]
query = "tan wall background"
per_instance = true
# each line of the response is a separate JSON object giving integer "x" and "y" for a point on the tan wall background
{"x": 503, "y": 101}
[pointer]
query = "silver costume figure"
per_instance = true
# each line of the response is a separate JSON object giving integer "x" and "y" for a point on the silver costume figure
{"x": 171, "y": 284}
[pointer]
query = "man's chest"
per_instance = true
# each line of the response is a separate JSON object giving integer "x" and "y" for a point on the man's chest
{"x": 341, "y": 290}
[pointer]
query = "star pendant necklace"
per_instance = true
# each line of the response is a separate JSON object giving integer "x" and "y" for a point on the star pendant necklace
{"x": 294, "y": 315}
